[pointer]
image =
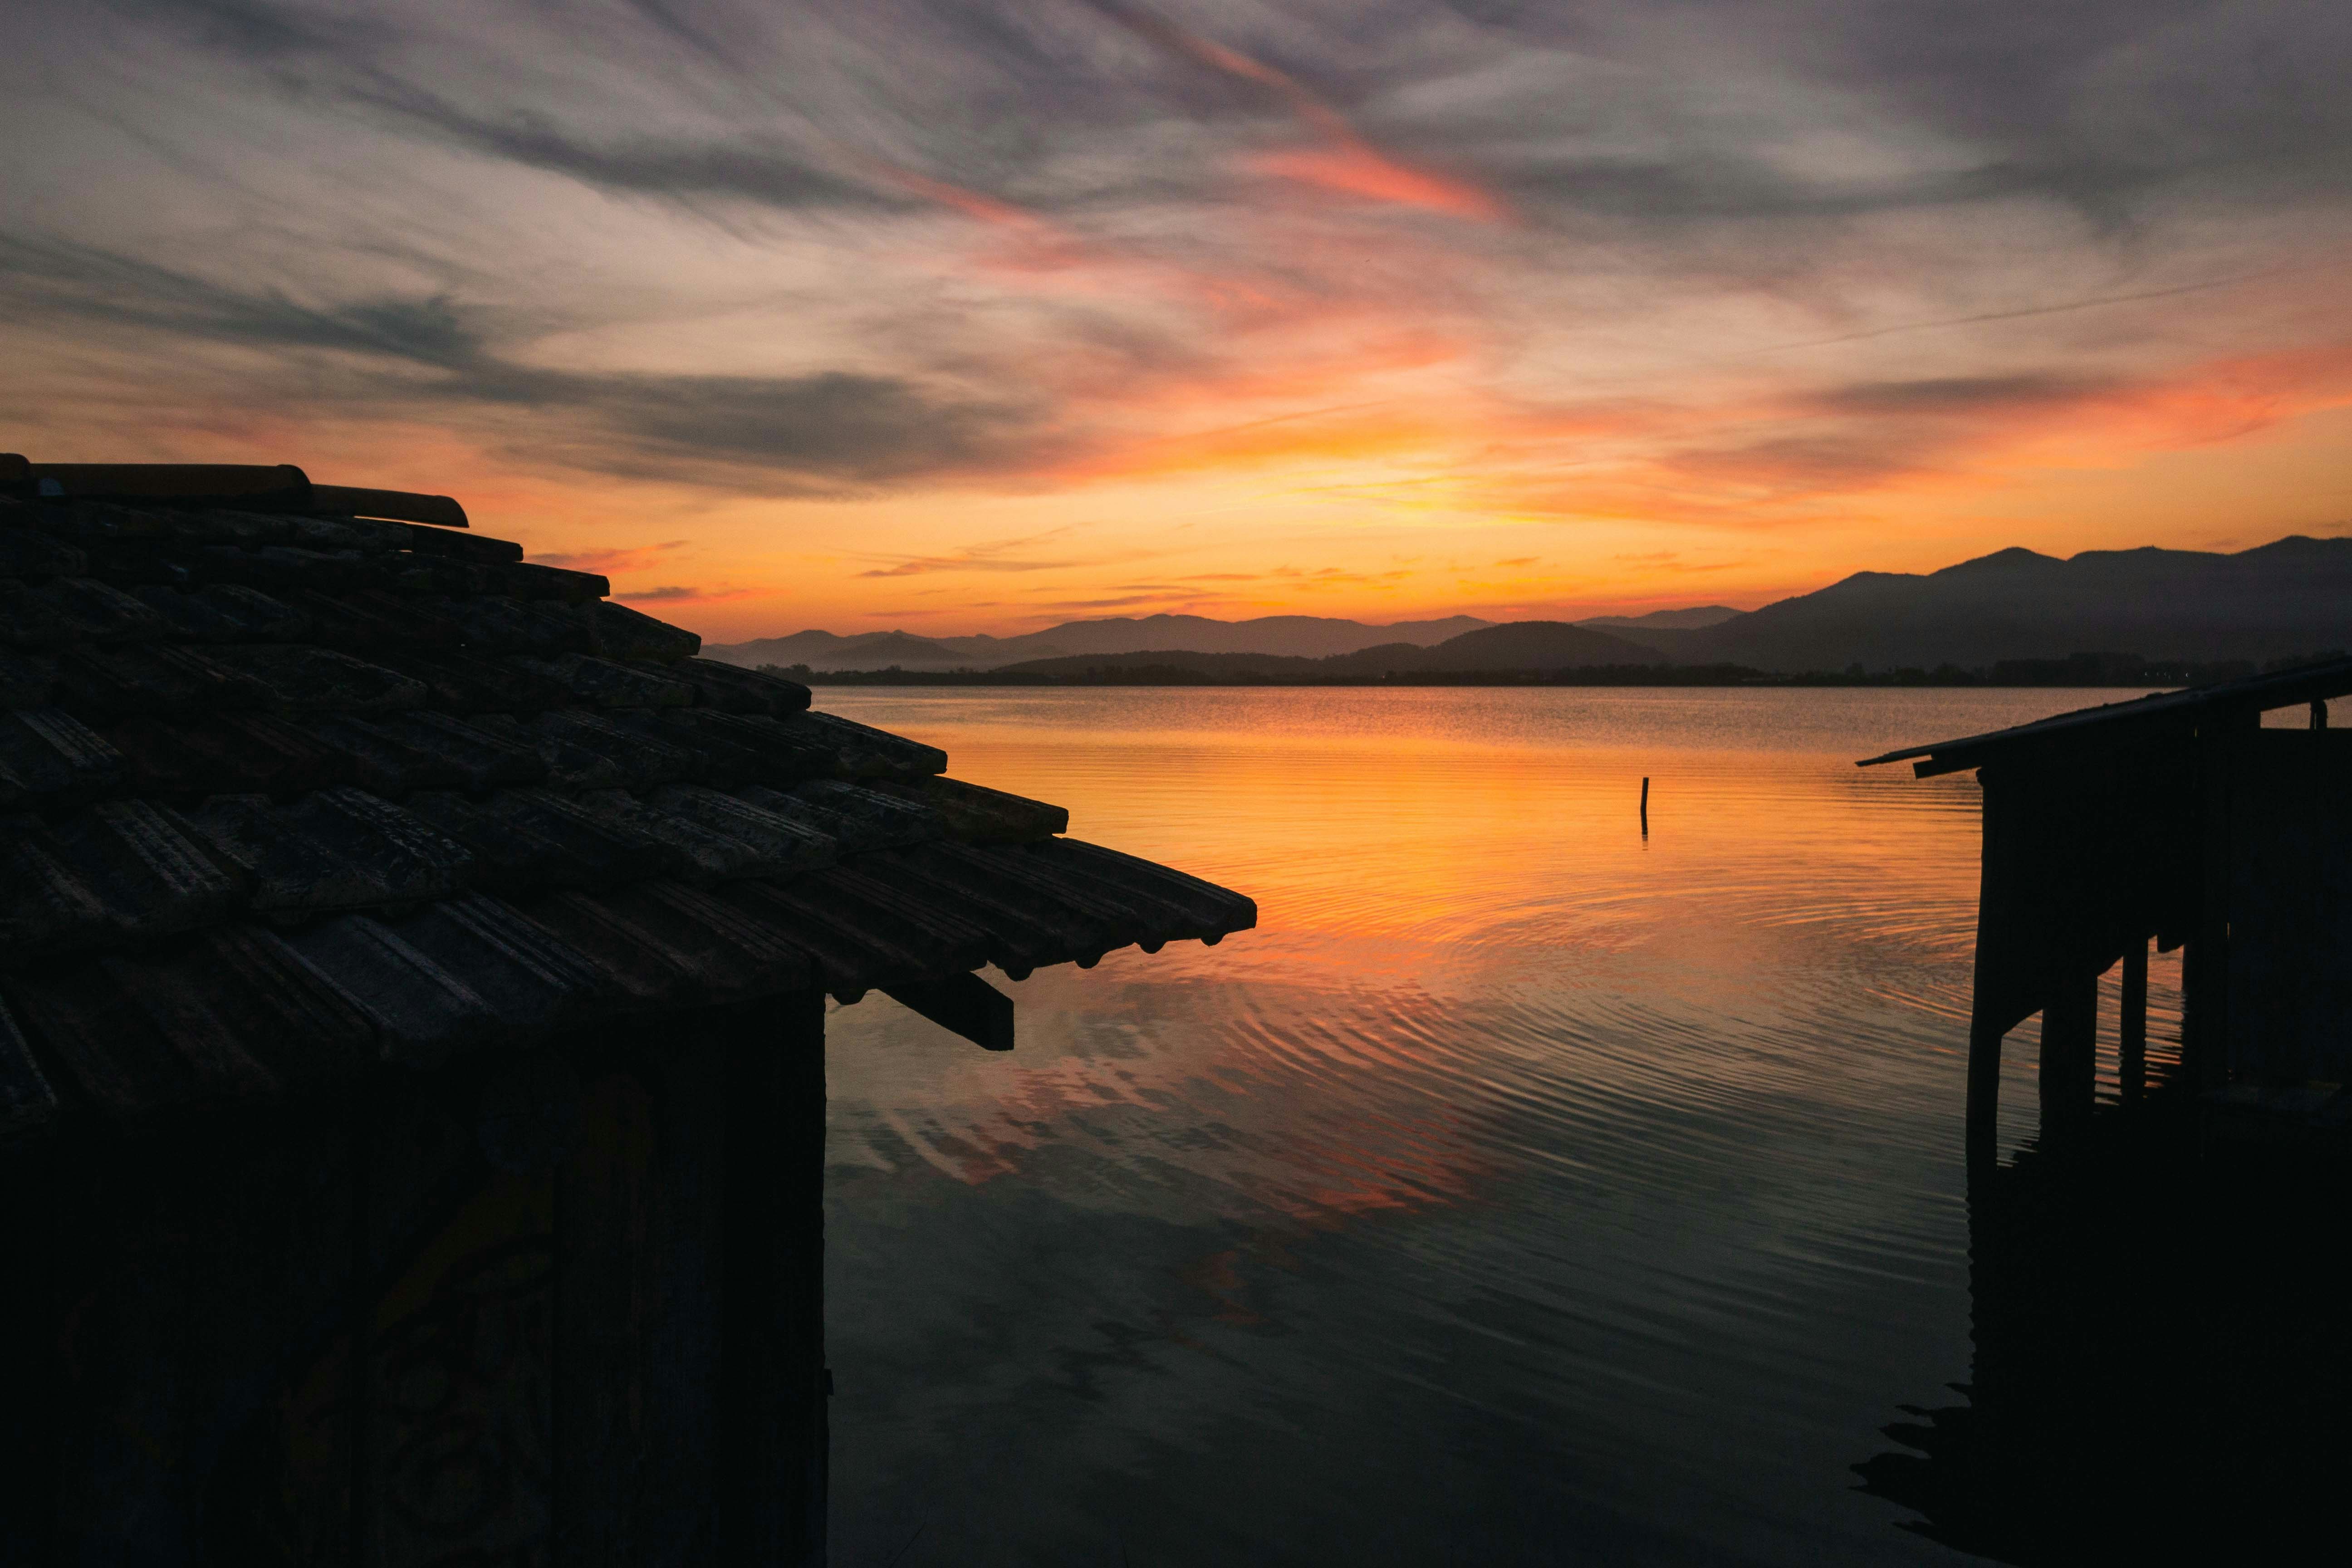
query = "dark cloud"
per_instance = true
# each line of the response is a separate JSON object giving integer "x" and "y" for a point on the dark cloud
{"x": 684, "y": 171}
{"x": 1959, "y": 395}
{"x": 832, "y": 427}
{"x": 130, "y": 292}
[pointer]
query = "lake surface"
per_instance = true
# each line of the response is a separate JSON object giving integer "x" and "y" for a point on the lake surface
{"x": 1525, "y": 1189}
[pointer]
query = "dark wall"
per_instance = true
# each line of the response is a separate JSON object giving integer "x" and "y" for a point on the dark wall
{"x": 551, "y": 1307}
{"x": 2290, "y": 911}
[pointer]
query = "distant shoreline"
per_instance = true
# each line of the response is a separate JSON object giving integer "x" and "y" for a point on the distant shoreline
{"x": 1631, "y": 676}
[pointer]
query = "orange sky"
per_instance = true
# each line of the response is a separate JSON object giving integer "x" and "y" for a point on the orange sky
{"x": 895, "y": 321}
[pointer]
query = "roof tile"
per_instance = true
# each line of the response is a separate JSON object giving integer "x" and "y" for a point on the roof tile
{"x": 27, "y": 1101}
{"x": 45, "y": 908}
{"x": 731, "y": 690}
{"x": 867, "y": 752}
{"x": 533, "y": 981}
{"x": 47, "y": 751}
{"x": 338, "y": 849}
{"x": 605, "y": 684}
{"x": 421, "y": 1014}
{"x": 25, "y": 553}
{"x": 26, "y": 680}
{"x": 66, "y": 611}
{"x": 101, "y": 683}
{"x": 228, "y": 754}
{"x": 624, "y": 632}
{"x": 148, "y": 866}
{"x": 526, "y": 840}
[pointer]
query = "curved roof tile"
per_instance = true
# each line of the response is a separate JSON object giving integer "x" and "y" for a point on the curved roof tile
{"x": 285, "y": 793}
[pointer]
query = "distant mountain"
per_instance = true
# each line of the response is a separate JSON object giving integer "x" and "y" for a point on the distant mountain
{"x": 823, "y": 650}
{"x": 1520, "y": 645}
{"x": 1698, "y": 616}
{"x": 2289, "y": 597}
{"x": 1301, "y": 637}
{"x": 2293, "y": 597}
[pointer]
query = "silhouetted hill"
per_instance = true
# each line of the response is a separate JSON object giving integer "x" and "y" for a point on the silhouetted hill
{"x": 2293, "y": 597}
{"x": 2289, "y": 597}
{"x": 1521, "y": 645}
{"x": 1698, "y": 616}
{"x": 823, "y": 650}
{"x": 1518, "y": 645}
{"x": 1224, "y": 666}
{"x": 1300, "y": 636}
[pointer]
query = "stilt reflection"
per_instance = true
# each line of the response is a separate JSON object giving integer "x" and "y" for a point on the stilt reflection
{"x": 2161, "y": 1366}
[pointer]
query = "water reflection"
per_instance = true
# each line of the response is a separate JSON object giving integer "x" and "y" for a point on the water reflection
{"x": 1519, "y": 1190}
{"x": 2161, "y": 1370}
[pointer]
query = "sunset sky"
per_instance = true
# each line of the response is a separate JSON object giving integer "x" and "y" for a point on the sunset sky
{"x": 976, "y": 315}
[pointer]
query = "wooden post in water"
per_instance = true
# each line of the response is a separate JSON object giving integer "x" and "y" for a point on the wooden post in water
{"x": 2131, "y": 1025}
{"x": 2319, "y": 713}
{"x": 2070, "y": 1021}
{"x": 1985, "y": 1028}
{"x": 1646, "y": 807}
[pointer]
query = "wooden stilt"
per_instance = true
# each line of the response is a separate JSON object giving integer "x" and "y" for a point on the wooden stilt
{"x": 771, "y": 1423}
{"x": 2131, "y": 1031}
{"x": 2069, "y": 1060}
{"x": 1983, "y": 1134}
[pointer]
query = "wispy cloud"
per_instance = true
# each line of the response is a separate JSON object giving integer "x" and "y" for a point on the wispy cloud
{"x": 631, "y": 558}
{"x": 683, "y": 595}
{"x": 993, "y": 556}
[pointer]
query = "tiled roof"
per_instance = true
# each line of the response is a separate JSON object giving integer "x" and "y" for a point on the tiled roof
{"x": 285, "y": 794}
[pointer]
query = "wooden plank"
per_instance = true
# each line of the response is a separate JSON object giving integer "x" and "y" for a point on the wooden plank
{"x": 200, "y": 1396}
{"x": 771, "y": 1418}
{"x": 962, "y": 1005}
{"x": 637, "y": 1289}
{"x": 32, "y": 1207}
{"x": 2131, "y": 1027}
{"x": 451, "y": 1460}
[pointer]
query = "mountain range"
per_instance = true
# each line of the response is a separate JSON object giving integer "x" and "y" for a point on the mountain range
{"x": 1300, "y": 636}
{"x": 2288, "y": 597}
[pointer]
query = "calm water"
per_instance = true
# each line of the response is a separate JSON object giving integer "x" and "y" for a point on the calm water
{"x": 1522, "y": 1190}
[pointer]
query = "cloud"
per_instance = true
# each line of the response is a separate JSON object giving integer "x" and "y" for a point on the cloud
{"x": 433, "y": 353}
{"x": 1959, "y": 394}
{"x": 629, "y": 558}
{"x": 1447, "y": 265}
{"x": 995, "y": 555}
{"x": 683, "y": 595}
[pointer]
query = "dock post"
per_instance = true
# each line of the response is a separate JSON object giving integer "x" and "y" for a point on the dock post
{"x": 2131, "y": 1025}
{"x": 2070, "y": 1021}
{"x": 1983, "y": 1139}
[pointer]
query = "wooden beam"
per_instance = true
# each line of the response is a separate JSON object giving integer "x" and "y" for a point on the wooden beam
{"x": 1982, "y": 1135}
{"x": 2131, "y": 1030}
{"x": 2070, "y": 1021}
{"x": 962, "y": 1005}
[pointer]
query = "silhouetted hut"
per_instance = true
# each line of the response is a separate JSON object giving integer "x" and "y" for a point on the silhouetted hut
{"x": 2178, "y": 819}
{"x": 412, "y": 1083}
